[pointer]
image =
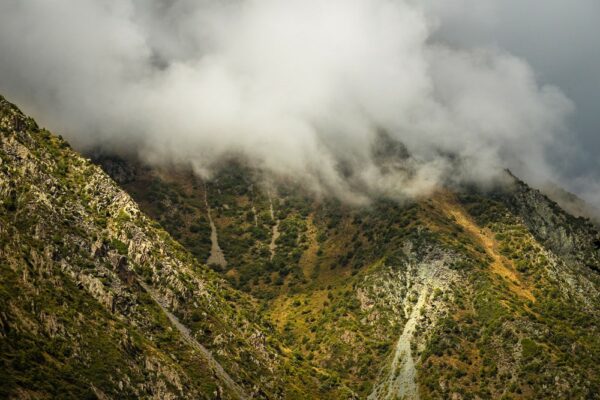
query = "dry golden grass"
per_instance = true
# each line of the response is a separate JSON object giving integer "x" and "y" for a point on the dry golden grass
{"x": 500, "y": 264}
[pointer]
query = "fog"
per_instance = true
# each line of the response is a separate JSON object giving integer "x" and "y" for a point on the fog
{"x": 301, "y": 88}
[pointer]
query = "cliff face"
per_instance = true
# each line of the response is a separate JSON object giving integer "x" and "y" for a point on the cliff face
{"x": 464, "y": 294}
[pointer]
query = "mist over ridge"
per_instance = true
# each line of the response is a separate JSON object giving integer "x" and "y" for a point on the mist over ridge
{"x": 301, "y": 88}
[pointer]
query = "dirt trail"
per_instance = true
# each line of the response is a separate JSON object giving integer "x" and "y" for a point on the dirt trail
{"x": 500, "y": 264}
{"x": 217, "y": 368}
{"x": 216, "y": 256}
{"x": 275, "y": 233}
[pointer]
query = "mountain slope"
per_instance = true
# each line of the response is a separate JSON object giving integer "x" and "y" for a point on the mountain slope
{"x": 465, "y": 294}
{"x": 462, "y": 294}
{"x": 98, "y": 301}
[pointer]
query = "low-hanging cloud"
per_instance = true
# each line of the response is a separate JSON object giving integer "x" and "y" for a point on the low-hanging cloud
{"x": 302, "y": 88}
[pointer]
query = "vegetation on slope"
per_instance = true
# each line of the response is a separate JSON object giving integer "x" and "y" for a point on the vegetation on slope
{"x": 464, "y": 294}
{"x": 77, "y": 320}
{"x": 507, "y": 310}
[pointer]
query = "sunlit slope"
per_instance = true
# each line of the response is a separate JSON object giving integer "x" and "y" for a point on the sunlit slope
{"x": 461, "y": 293}
{"x": 97, "y": 300}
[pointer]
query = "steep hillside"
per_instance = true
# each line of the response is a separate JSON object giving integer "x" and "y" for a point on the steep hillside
{"x": 97, "y": 301}
{"x": 466, "y": 294}
{"x": 261, "y": 290}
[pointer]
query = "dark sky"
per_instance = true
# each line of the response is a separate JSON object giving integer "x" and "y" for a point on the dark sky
{"x": 561, "y": 41}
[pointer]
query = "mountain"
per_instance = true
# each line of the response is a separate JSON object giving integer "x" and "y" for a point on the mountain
{"x": 467, "y": 293}
{"x": 98, "y": 301}
{"x": 247, "y": 286}
{"x": 571, "y": 203}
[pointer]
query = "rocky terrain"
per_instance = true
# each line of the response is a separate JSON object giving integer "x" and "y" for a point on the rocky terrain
{"x": 250, "y": 287}
{"x": 98, "y": 301}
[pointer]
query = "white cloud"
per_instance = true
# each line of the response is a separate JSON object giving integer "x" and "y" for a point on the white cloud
{"x": 301, "y": 87}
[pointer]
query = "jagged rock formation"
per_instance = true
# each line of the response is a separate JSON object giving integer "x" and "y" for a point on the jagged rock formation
{"x": 571, "y": 203}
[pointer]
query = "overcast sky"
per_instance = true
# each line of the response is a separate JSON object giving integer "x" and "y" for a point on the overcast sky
{"x": 561, "y": 41}
{"x": 303, "y": 87}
